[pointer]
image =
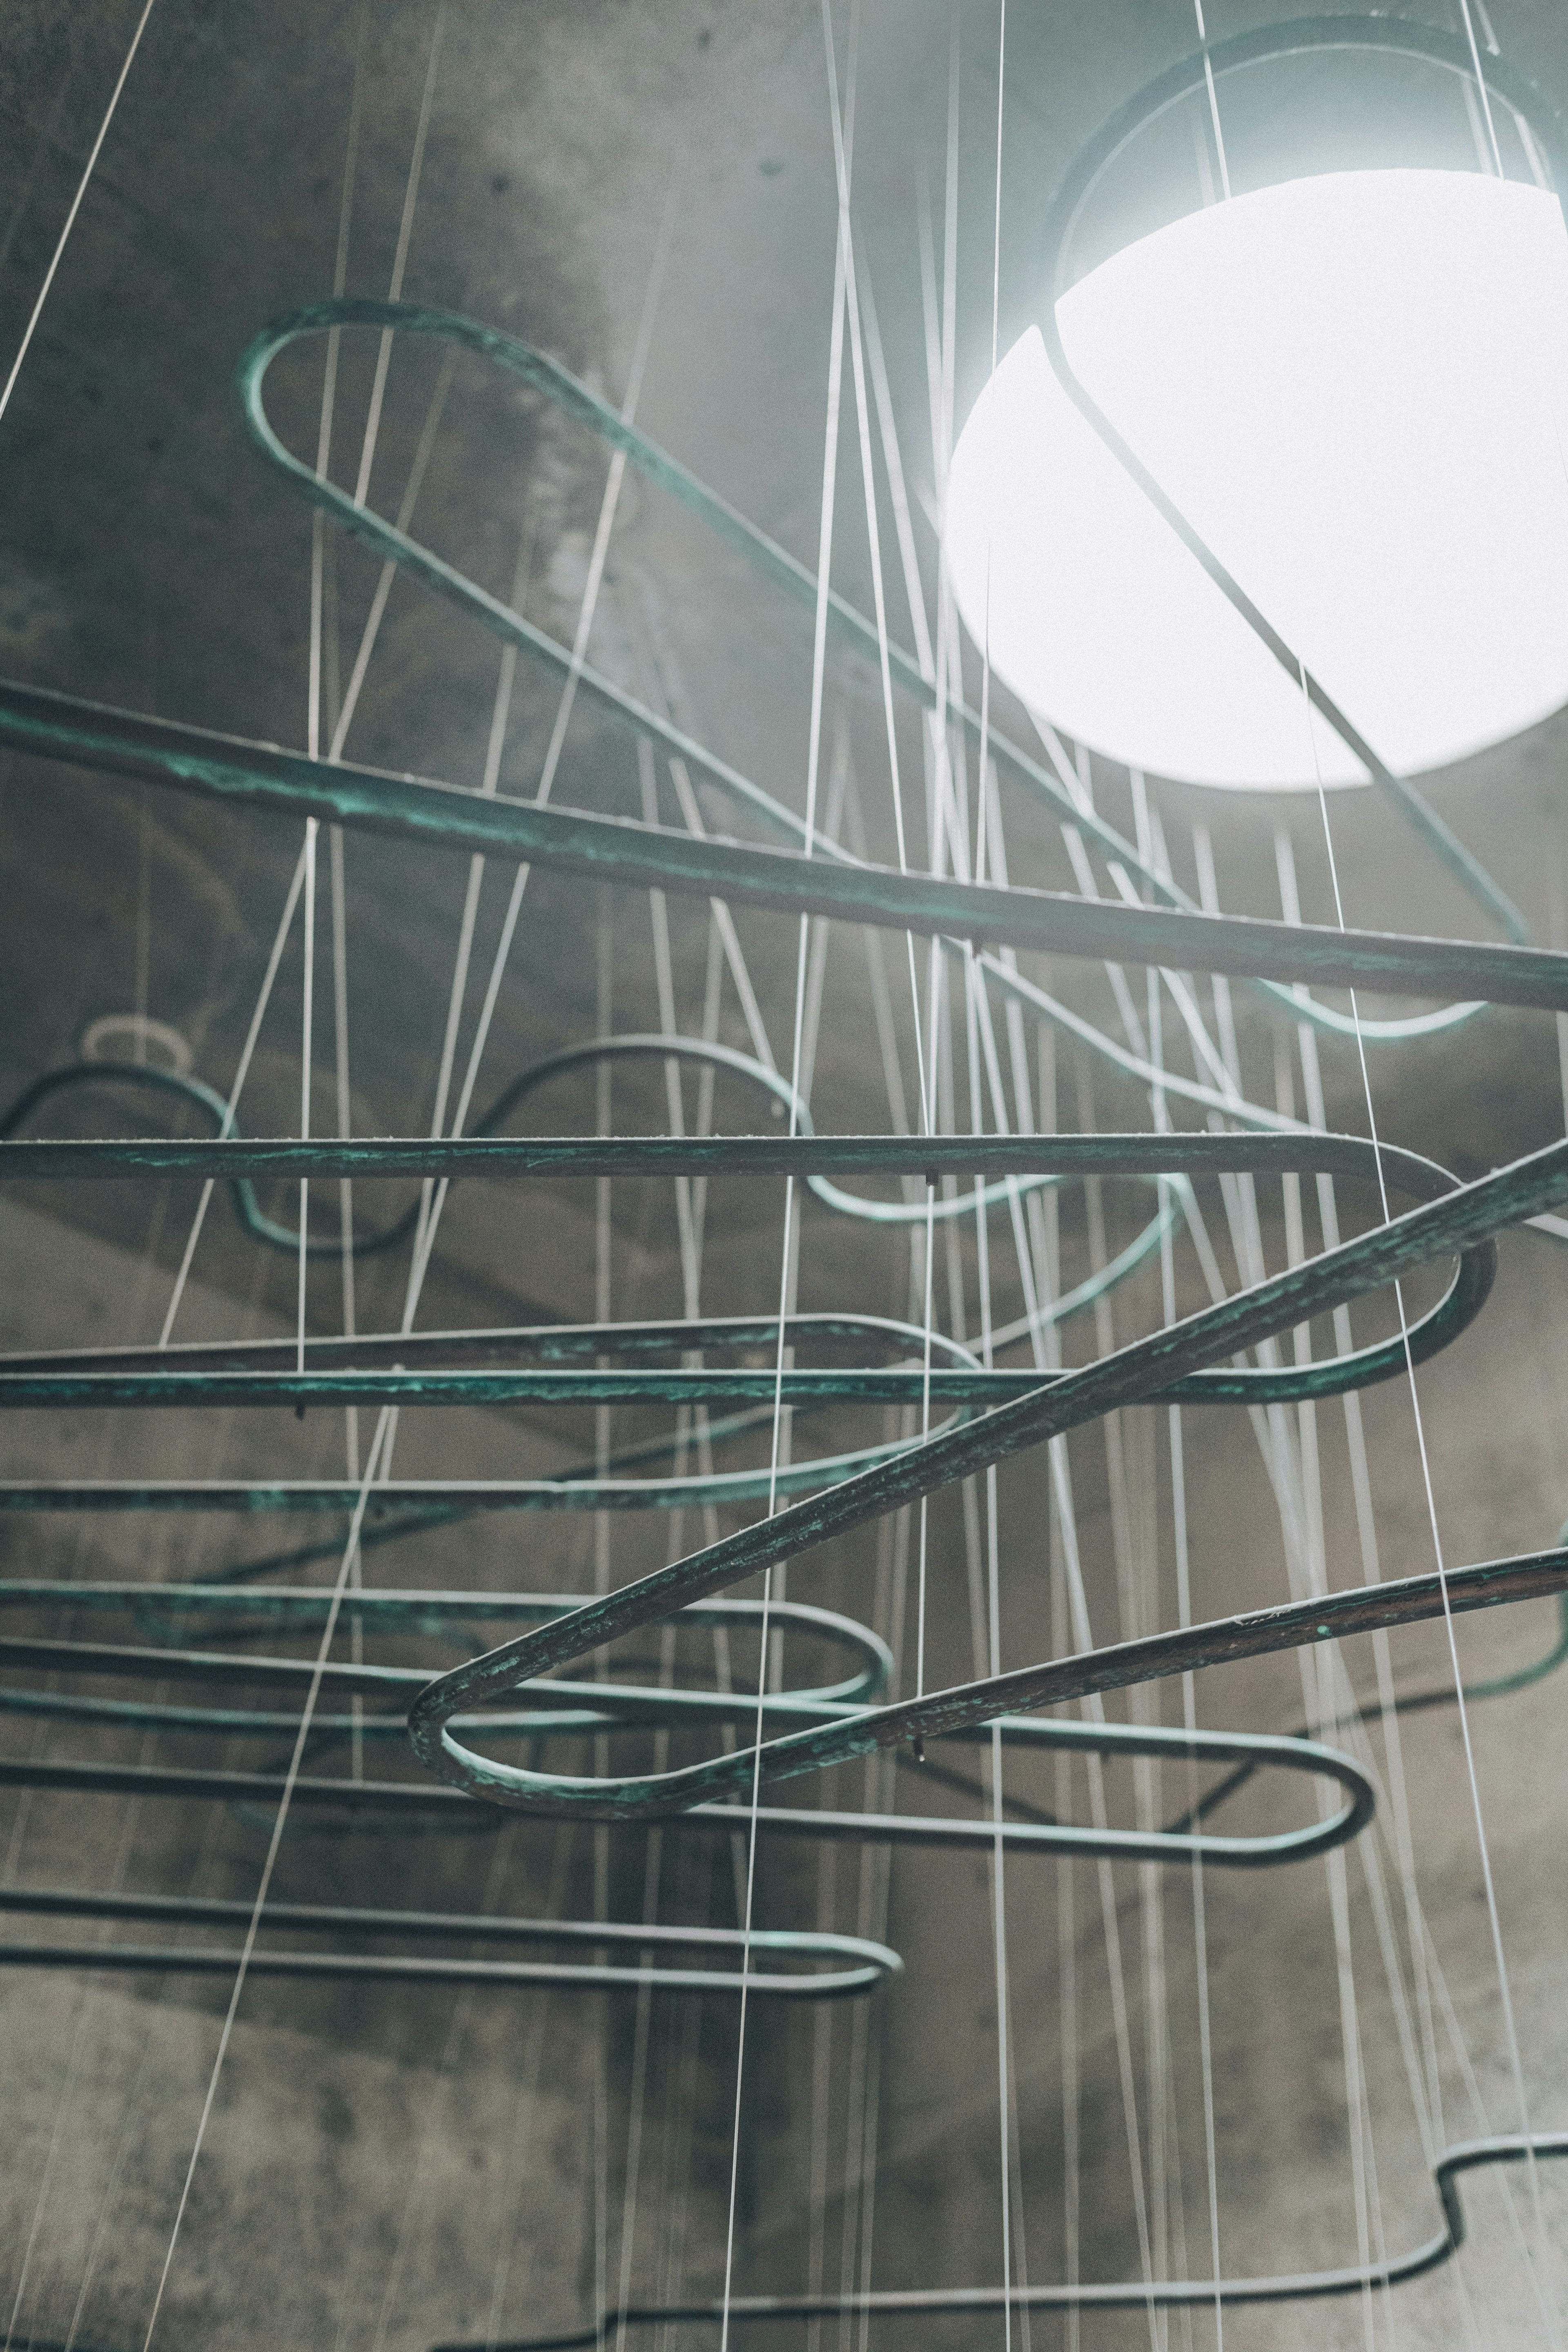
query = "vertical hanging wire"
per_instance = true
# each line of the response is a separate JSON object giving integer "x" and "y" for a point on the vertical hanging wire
{"x": 993, "y": 1557}
{"x": 306, "y": 1059}
{"x": 604, "y": 1237}
{"x": 689, "y": 1241}
{"x": 1042, "y": 1330}
{"x": 1133, "y": 1517}
{"x": 42, "y": 296}
{"x": 242, "y": 1071}
{"x": 1176, "y": 1456}
{"x": 400, "y": 257}
{"x": 1358, "y": 2114}
{"x": 689, "y": 1251}
{"x": 841, "y": 150}
{"x": 1535, "y": 2257}
{"x": 814, "y": 756}
{"x": 1214, "y": 101}
{"x": 425, "y": 1239}
{"x": 1317, "y": 1682}
{"x": 1481, "y": 91}
{"x": 1273, "y": 1445}
{"x": 927, "y": 1096}
{"x": 1333, "y": 1680}
{"x": 304, "y": 880}
{"x": 264, "y": 1884}
{"x": 335, "y": 852}
{"x": 346, "y": 1240}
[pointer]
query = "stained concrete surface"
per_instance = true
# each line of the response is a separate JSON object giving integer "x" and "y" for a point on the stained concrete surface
{"x": 148, "y": 558}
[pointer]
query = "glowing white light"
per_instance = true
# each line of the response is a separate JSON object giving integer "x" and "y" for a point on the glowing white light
{"x": 1356, "y": 388}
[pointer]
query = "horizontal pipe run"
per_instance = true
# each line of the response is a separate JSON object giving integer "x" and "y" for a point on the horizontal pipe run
{"x": 875, "y": 1962}
{"x": 356, "y": 1968}
{"x": 572, "y": 1708}
{"x": 617, "y": 850}
{"x": 34, "y": 1161}
{"x": 38, "y": 1391}
{"x": 450, "y": 1809}
{"x": 1131, "y": 1375}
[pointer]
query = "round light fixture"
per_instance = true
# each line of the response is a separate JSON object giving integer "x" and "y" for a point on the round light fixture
{"x": 1354, "y": 387}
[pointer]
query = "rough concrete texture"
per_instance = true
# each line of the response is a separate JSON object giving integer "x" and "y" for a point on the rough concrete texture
{"x": 371, "y": 2153}
{"x": 341, "y": 2196}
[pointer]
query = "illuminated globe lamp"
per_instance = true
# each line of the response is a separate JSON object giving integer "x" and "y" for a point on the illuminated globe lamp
{"x": 1306, "y": 447}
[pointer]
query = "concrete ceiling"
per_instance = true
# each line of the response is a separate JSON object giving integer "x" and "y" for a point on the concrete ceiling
{"x": 149, "y": 558}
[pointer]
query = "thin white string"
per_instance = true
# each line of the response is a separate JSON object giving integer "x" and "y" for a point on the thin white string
{"x": 242, "y": 1072}
{"x": 873, "y": 532}
{"x": 1481, "y": 89}
{"x": 691, "y": 1247}
{"x": 330, "y": 386}
{"x": 313, "y": 703}
{"x": 821, "y": 2091}
{"x": 426, "y": 1240}
{"x": 946, "y": 821}
{"x": 1494, "y": 1922}
{"x": 1189, "y": 1717}
{"x": 1049, "y": 1347}
{"x": 264, "y": 1885}
{"x": 43, "y": 294}
{"x": 1294, "y": 1475}
{"x": 1141, "y": 1614}
{"x": 1214, "y": 101}
{"x": 992, "y": 1653}
{"x": 335, "y": 832}
{"x": 1340, "y": 1700}
{"x": 370, "y": 633}
{"x": 873, "y": 529}
{"x": 400, "y": 259}
{"x": 914, "y": 595}
{"x": 304, "y": 877}
{"x": 1363, "y": 2164}
{"x": 501, "y": 713}
{"x": 1318, "y": 1671}
{"x": 843, "y": 136}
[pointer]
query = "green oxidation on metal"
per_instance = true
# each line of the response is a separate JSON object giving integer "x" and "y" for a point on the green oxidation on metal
{"x": 1131, "y": 1375}
{"x": 278, "y": 1608}
{"x": 1307, "y": 35}
{"x": 73, "y": 1077}
{"x": 1521, "y": 1677}
{"x": 563, "y": 1709}
{"x": 1048, "y": 1159}
{"x": 1294, "y": 1149}
{"x": 620, "y": 851}
{"x": 480, "y": 1152}
{"x": 829, "y": 1727}
{"x": 668, "y": 1387}
{"x": 546, "y": 377}
{"x": 1130, "y": 2294}
{"x": 582, "y": 1976}
{"x": 448, "y": 1812}
{"x": 871, "y": 1963}
{"x": 1407, "y": 1703}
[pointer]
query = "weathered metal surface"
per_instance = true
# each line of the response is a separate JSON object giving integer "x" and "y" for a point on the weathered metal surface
{"x": 1130, "y": 1375}
{"x": 628, "y": 855}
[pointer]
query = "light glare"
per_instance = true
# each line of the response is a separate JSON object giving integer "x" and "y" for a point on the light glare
{"x": 1355, "y": 387}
